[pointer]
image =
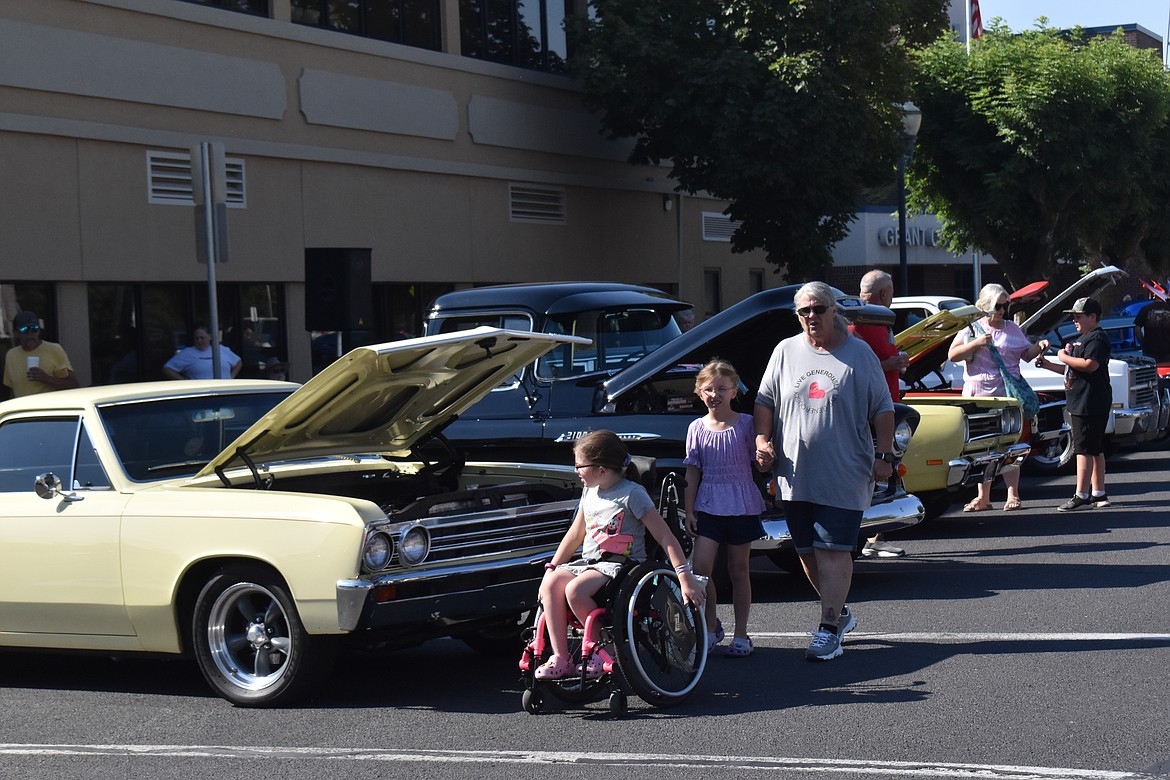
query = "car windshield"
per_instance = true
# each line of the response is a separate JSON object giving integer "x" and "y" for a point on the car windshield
{"x": 176, "y": 437}
{"x": 1119, "y": 331}
{"x": 619, "y": 338}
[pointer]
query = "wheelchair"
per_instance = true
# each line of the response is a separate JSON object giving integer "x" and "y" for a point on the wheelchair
{"x": 650, "y": 643}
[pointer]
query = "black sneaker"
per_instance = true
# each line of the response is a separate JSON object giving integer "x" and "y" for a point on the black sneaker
{"x": 1101, "y": 501}
{"x": 1076, "y": 502}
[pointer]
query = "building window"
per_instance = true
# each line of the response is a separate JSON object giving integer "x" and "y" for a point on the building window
{"x": 412, "y": 22}
{"x": 527, "y": 33}
{"x": 755, "y": 280}
{"x": 135, "y": 328}
{"x": 255, "y": 7}
{"x": 712, "y": 292}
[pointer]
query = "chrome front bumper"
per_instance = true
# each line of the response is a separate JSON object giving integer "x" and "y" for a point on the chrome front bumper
{"x": 901, "y": 512}
{"x": 1140, "y": 422}
{"x": 971, "y": 470}
{"x": 445, "y": 595}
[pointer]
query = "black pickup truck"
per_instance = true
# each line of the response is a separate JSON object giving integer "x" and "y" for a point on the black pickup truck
{"x": 636, "y": 378}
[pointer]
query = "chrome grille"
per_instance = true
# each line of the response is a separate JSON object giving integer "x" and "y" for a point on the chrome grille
{"x": 494, "y": 533}
{"x": 984, "y": 425}
{"x": 1143, "y": 385}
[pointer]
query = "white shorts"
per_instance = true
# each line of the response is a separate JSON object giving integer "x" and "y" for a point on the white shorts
{"x": 578, "y": 567}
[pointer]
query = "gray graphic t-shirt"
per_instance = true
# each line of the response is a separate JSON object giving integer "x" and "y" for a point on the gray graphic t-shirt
{"x": 824, "y": 447}
{"x": 613, "y": 520}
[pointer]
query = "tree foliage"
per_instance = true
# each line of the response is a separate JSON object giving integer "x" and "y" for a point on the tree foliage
{"x": 786, "y": 109}
{"x": 1041, "y": 146}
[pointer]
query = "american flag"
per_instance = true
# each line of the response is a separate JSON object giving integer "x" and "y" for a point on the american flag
{"x": 976, "y": 20}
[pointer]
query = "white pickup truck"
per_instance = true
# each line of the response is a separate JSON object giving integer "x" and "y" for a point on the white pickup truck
{"x": 1139, "y": 413}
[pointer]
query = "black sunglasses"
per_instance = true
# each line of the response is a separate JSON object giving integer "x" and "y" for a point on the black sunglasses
{"x": 29, "y": 329}
{"x": 809, "y": 310}
{"x": 1002, "y": 306}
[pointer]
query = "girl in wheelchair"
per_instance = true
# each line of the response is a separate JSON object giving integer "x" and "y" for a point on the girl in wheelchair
{"x": 611, "y": 524}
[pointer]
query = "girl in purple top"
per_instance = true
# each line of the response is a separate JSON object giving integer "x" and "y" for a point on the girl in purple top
{"x": 723, "y": 501}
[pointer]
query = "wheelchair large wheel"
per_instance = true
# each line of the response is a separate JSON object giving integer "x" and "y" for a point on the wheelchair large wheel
{"x": 572, "y": 690}
{"x": 661, "y": 643}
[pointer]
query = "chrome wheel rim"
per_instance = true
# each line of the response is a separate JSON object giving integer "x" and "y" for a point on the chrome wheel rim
{"x": 248, "y": 636}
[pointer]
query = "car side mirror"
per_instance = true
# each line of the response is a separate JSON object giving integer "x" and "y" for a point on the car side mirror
{"x": 48, "y": 485}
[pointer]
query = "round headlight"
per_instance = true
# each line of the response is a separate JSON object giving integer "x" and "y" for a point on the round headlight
{"x": 902, "y": 435}
{"x": 379, "y": 549}
{"x": 414, "y": 546}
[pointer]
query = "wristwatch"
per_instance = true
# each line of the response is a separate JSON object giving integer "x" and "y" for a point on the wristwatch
{"x": 888, "y": 457}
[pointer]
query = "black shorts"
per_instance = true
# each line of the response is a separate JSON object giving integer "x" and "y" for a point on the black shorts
{"x": 735, "y": 529}
{"x": 1088, "y": 433}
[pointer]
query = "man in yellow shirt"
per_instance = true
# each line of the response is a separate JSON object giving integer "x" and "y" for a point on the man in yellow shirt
{"x": 36, "y": 365}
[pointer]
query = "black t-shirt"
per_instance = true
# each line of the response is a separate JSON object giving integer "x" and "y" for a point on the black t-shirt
{"x": 1088, "y": 392}
{"x": 1153, "y": 326}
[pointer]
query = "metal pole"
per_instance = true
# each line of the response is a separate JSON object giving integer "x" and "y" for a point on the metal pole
{"x": 968, "y": 26}
{"x": 903, "y": 265}
{"x": 212, "y": 250}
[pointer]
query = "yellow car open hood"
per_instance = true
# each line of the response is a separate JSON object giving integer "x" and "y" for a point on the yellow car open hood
{"x": 386, "y": 398}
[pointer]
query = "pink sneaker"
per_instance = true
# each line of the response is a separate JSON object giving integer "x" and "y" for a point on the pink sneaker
{"x": 555, "y": 668}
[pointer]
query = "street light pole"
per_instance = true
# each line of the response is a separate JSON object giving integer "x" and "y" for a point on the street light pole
{"x": 903, "y": 264}
{"x": 911, "y": 122}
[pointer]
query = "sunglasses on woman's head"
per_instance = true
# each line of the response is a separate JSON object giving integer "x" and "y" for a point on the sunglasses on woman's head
{"x": 810, "y": 310}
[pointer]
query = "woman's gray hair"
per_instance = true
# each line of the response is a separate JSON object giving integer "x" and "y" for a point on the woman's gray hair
{"x": 823, "y": 294}
{"x": 989, "y": 296}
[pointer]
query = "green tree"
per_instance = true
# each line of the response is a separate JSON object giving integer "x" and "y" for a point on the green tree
{"x": 1041, "y": 146}
{"x": 787, "y": 110}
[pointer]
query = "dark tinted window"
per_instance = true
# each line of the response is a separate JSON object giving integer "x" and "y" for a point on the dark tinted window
{"x": 177, "y": 437}
{"x": 29, "y": 448}
{"x": 413, "y": 22}
{"x": 527, "y": 33}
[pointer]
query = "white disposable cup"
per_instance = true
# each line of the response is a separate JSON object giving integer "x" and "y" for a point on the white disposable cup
{"x": 33, "y": 362}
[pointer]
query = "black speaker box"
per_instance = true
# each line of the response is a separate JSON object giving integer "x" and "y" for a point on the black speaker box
{"x": 338, "y": 293}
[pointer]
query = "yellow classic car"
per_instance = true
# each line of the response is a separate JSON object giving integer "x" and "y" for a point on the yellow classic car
{"x": 959, "y": 441}
{"x": 253, "y": 524}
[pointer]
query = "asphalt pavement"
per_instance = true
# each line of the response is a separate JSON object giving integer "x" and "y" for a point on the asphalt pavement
{"x": 1029, "y": 644}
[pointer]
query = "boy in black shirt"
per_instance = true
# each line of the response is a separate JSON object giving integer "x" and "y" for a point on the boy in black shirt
{"x": 1085, "y": 365}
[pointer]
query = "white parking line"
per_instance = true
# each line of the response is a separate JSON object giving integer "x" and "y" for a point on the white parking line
{"x": 957, "y": 637}
{"x": 598, "y": 760}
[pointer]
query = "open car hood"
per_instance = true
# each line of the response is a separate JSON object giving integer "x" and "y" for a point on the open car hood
{"x": 1045, "y": 319}
{"x": 743, "y": 334}
{"x": 927, "y": 342}
{"x": 386, "y": 398}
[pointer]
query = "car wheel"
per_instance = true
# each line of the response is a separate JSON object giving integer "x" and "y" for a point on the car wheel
{"x": 1056, "y": 458}
{"x": 250, "y": 643}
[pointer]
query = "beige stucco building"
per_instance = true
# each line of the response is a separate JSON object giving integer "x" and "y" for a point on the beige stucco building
{"x": 445, "y": 169}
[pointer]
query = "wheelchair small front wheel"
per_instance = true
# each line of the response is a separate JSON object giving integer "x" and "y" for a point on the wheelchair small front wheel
{"x": 660, "y": 642}
{"x": 618, "y": 704}
{"x": 532, "y": 700}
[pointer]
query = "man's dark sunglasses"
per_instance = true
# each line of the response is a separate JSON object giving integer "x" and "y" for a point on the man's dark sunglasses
{"x": 807, "y": 310}
{"x": 29, "y": 329}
